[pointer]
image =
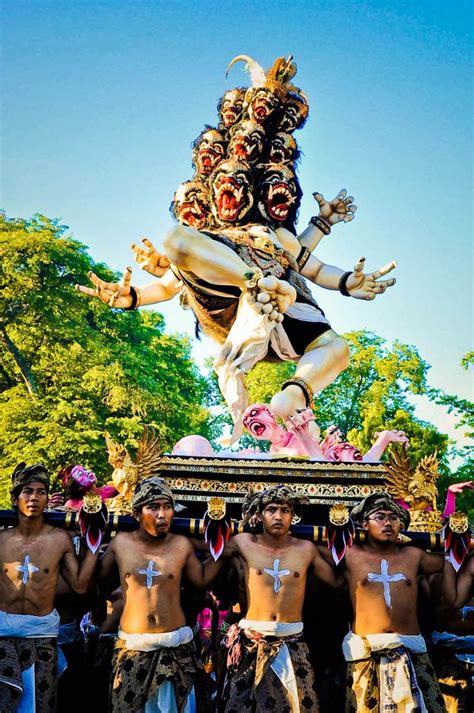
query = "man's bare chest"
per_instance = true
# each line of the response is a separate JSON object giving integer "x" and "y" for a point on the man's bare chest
{"x": 276, "y": 571}
{"x": 29, "y": 564}
{"x": 150, "y": 569}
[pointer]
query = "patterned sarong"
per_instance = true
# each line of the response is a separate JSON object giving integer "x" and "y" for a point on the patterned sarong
{"x": 390, "y": 677}
{"x": 18, "y": 655}
{"x": 137, "y": 676}
{"x": 253, "y": 685}
{"x": 28, "y": 661}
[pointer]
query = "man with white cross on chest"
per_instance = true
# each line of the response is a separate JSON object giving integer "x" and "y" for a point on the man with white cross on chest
{"x": 32, "y": 556}
{"x": 268, "y": 664}
{"x": 388, "y": 667}
{"x": 155, "y": 665}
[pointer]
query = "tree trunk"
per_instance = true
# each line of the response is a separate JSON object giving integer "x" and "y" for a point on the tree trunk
{"x": 20, "y": 361}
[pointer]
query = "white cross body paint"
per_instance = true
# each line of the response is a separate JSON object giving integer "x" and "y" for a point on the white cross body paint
{"x": 276, "y": 574}
{"x": 385, "y": 578}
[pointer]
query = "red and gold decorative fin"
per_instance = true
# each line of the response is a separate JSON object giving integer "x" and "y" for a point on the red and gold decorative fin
{"x": 457, "y": 538}
{"x": 217, "y": 528}
{"x": 340, "y": 532}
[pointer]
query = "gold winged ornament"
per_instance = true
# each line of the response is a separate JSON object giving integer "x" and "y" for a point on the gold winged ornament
{"x": 415, "y": 487}
{"x": 128, "y": 472}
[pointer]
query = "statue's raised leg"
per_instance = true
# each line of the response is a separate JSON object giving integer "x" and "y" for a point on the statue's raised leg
{"x": 316, "y": 369}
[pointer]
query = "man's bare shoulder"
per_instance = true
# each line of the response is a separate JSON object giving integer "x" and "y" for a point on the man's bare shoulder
{"x": 243, "y": 539}
{"x": 179, "y": 541}
{"x": 60, "y": 537}
{"x": 408, "y": 551}
{"x": 7, "y": 534}
{"x": 122, "y": 540}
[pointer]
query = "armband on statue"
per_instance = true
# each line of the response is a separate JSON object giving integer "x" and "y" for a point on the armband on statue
{"x": 321, "y": 224}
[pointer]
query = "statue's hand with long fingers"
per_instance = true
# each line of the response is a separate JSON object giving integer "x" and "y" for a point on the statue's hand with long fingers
{"x": 363, "y": 286}
{"x": 149, "y": 259}
{"x": 341, "y": 208}
{"x": 115, "y": 294}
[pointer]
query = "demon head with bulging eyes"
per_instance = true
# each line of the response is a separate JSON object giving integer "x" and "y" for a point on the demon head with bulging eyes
{"x": 231, "y": 192}
{"x": 279, "y": 195}
{"x": 293, "y": 113}
{"x": 208, "y": 151}
{"x": 247, "y": 142}
{"x": 260, "y": 103}
{"x": 230, "y": 106}
{"x": 283, "y": 148}
{"x": 191, "y": 204}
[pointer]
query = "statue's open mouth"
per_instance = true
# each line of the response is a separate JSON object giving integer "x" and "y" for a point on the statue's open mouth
{"x": 192, "y": 214}
{"x": 208, "y": 160}
{"x": 278, "y": 155}
{"x": 258, "y": 429}
{"x": 261, "y": 109}
{"x": 230, "y": 116}
{"x": 229, "y": 199}
{"x": 289, "y": 120}
{"x": 243, "y": 148}
{"x": 278, "y": 202}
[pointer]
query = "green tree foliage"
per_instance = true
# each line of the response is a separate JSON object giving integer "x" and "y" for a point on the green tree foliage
{"x": 71, "y": 368}
{"x": 463, "y": 409}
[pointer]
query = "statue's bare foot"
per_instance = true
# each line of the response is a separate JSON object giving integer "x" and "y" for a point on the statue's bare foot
{"x": 287, "y": 402}
{"x": 274, "y": 296}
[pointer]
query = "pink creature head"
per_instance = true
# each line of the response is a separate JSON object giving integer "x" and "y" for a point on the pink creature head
{"x": 343, "y": 453}
{"x": 260, "y": 422}
{"x": 193, "y": 446}
{"x": 83, "y": 477}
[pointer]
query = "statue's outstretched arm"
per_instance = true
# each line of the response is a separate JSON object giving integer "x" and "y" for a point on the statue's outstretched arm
{"x": 123, "y": 295}
{"x": 382, "y": 440}
{"x": 340, "y": 209}
{"x": 355, "y": 284}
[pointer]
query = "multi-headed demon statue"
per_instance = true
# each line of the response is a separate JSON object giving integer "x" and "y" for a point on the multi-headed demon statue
{"x": 235, "y": 255}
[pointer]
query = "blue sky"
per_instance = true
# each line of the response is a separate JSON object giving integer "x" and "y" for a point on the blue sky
{"x": 101, "y": 101}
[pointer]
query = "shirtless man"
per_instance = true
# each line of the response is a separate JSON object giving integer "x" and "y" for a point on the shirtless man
{"x": 268, "y": 643}
{"x": 452, "y": 639}
{"x": 32, "y": 556}
{"x": 155, "y": 661}
{"x": 386, "y": 654}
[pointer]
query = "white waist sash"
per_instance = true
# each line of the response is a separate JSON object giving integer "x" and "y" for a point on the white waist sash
{"x": 151, "y": 642}
{"x": 356, "y": 648}
{"x": 272, "y": 628}
{"x": 27, "y": 626}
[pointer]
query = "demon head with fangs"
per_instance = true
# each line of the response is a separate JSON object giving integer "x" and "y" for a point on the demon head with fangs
{"x": 231, "y": 192}
{"x": 279, "y": 195}
{"x": 247, "y": 142}
{"x": 293, "y": 113}
{"x": 283, "y": 148}
{"x": 260, "y": 103}
{"x": 208, "y": 151}
{"x": 191, "y": 204}
{"x": 230, "y": 106}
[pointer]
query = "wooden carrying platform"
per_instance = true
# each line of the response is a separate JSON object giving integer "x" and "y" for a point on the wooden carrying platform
{"x": 194, "y": 480}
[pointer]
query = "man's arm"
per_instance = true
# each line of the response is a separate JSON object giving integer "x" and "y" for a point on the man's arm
{"x": 202, "y": 573}
{"x": 325, "y": 572}
{"x": 76, "y": 574}
{"x": 458, "y": 590}
{"x": 431, "y": 563}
